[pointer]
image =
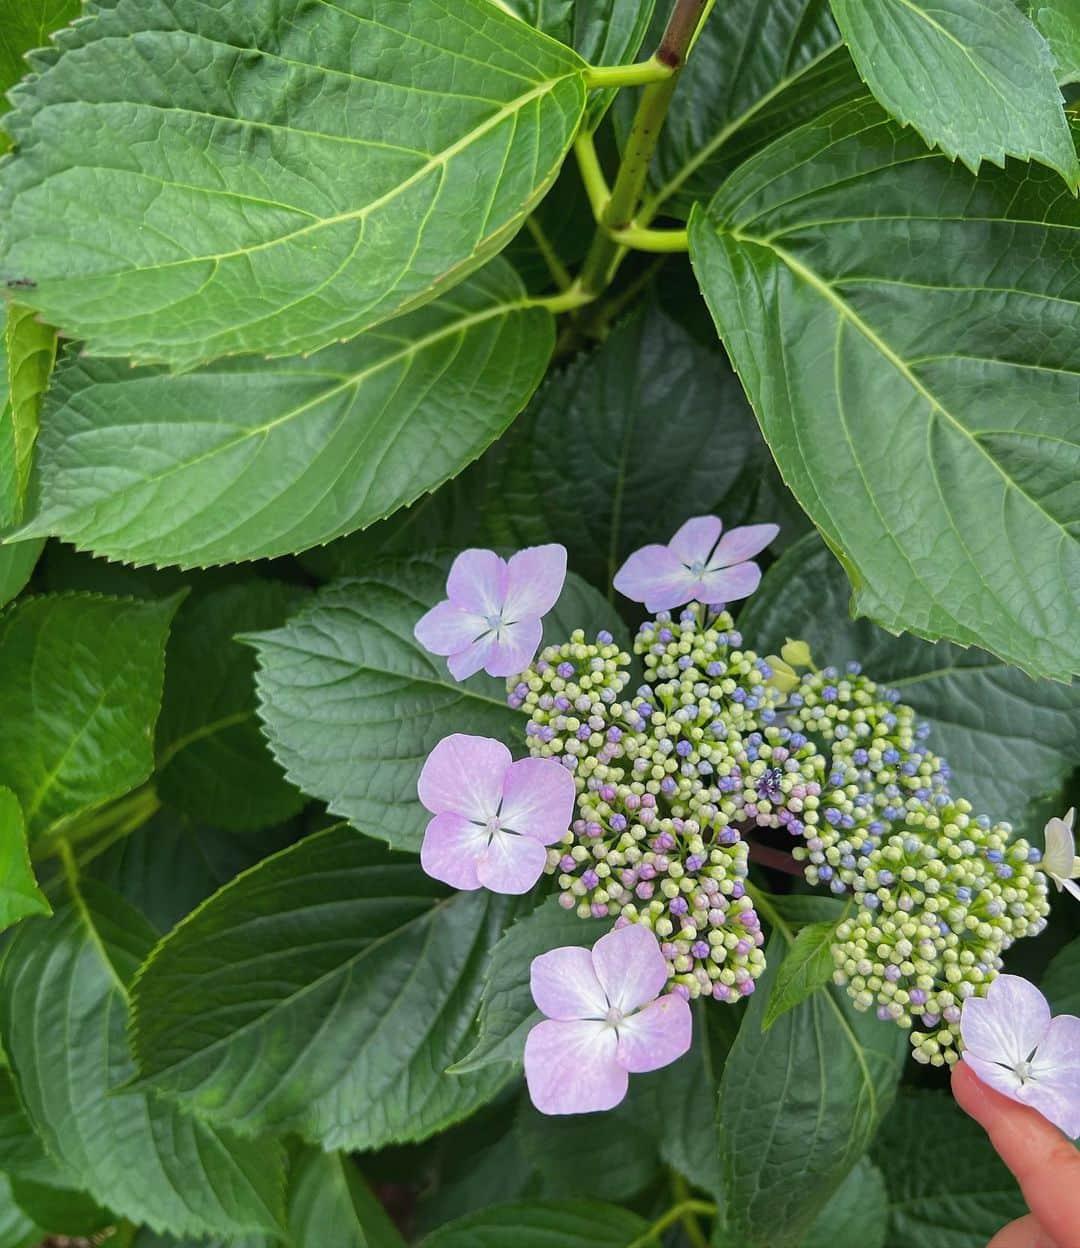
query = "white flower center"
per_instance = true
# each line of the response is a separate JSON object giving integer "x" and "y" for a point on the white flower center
{"x": 494, "y": 622}
{"x": 493, "y": 825}
{"x": 1023, "y": 1071}
{"x": 613, "y": 1017}
{"x": 697, "y": 567}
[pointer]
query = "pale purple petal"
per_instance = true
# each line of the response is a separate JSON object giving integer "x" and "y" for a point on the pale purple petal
{"x": 1060, "y": 853}
{"x": 570, "y": 1067}
{"x": 728, "y": 584}
{"x": 696, "y": 538}
{"x": 464, "y": 774}
{"x": 473, "y": 658}
{"x": 564, "y": 984}
{"x": 1072, "y": 887}
{"x": 653, "y": 575}
{"x": 1055, "y": 1084}
{"x": 534, "y": 581}
{"x": 655, "y": 1036}
{"x": 1006, "y": 1024}
{"x": 514, "y": 648}
{"x": 447, "y": 629}
{"x": 511, "y": 864}
{"x": 1002, "y": 1079}
{"x": 477, "y": 582}
{"x": 738, "y": 545}
{"x": 451, "y": 849}
{"x": 630, "y": 966}
{"x": 538, "y": 799}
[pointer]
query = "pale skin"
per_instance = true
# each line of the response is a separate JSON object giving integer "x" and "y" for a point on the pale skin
{"x": 1044, "y": 1162}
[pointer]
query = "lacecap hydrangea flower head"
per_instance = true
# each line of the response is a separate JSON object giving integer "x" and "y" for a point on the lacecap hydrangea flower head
{"x": 641, "y": 805}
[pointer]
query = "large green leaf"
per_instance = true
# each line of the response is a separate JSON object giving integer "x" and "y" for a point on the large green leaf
{"x": 213, "y": 763}
{"x": 61, "y": 1210}
{"x": 974, "y": 77}
{"x": 64, "y": 1016}
{"x": 315, "y": 171}
{"x": 1059, "y": 21}
{"x": 324, "y": 993}
{"x": 1061, "y": 983}
{"x": 906, "y": 337}
{"x": 330, "y": 1206}
{"x": 16, "y": 1229}
{"x": 27, "y": 357}
{"x": 759, "y": 68}
{"x": 80, "y": 682}
{"x": 947, "y": 1188}
{"x": 19, "y": 892}
{"x": 334, "y": 678}
{"x": 1008, "y": 739}
{"x": 556, "y": 1225}
{"x": 17, "y": 562}
{"x": 24, "y": 25}
{"x": 250, "y": 458}
{"x": 799, "y": 1106}
{"x": 604, "y": 32}
{"x": 857, "y": 1215}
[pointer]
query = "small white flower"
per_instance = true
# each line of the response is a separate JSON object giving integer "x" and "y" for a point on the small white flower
{"x": 1060, "y": 861}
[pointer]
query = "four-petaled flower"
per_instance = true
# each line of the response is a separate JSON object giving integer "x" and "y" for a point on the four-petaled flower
{"x": 697, "y": 565}
{"x": 491, "y": 618}
{"x": 604, "y": 1022}
{"x": 493, "y": 817}
{"x": 1060, "y": 861}
{"x": 1012, "y": 1043}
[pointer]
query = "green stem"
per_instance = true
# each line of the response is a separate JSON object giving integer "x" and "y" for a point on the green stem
{"x": 618, "y": 212}
{"x": 681, "y": 1191}
{"x": 659, "y": 241}
{"x": 129, "y": 813}
{"x": 574, "y": 297}
{"x": 764, "y": 906}
{"x": 559, "y": 272}
{"x": 673, "y": 1215}
{"x": 637, "y": 75}
{"x": 592, "y": 175}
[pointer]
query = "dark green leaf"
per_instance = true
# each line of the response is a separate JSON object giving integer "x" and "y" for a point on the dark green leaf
{"x": 21, "y": 1150}
{"x": 17, "y": 561}
{"x": 60, "y": 1210}
{"x": 337, "y": 675}
{"x": 80, "y": 682}
{"x": 330, "y": 1206}
{"x": 315, "y": 172}
{"x": 974, "y": 77}
{"x": 904, "y": 334}
{"x": 756, "y": 71}
{"x": 1061, "y": 983}
{"x": 799, "y": 1106}
{"x": 64, "y": 1016}
{"x": 324, "y": 992}
{"x": 16, "y": 1229}
{"x": 577, "y": 1225}
{"x": 1059, "y": 21}
{"x": 213, "y": 763}
{"x": 304, "y": 449}
{"x": 857, "y": 1215}
{"x": 507, "y": 1011}
{"x": 25, "y": 25}
{"x": 27, "y": 359}
{"x": 1008, "y": 739}
{"x": 807, "y": 966}
{"x": 19, "y": 892}
{"x": 947, "y": 1188}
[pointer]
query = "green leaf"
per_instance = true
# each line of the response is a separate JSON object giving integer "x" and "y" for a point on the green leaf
{"x": 604, "y": 32}
{"x": 80, "y": 682}
{"x": 21, "y": 1150}
{"x": 24, "y": 25}
{"x": 304, "y": 449}
{"x": 507, "y": 1010}
{"x": 974, "y": 77}
{"x": 1059, "y": 22}
{"x": 323, "y": 993}
{"x": 27, "y": 357}
{"x": 16, "y": 1229}
{"x": 947, "y": 1188}
{"x": 807, "y": 966}
{"x": 757, "y": 71}
{"x": 1061, "y": 983}
{"x": 904, "y": 334}
{"x": 213, "y": 763}
{"x": 64, "y": 1016}
{"x": 19, "y": 892}
{"x": 1008, "y": 739}
{"x": 857, "y": 1215}
{"x": 60, "y": 1210}
{"x": 329, "y": 1204}
{"x": 799, "y": 1105}
{"x": 316, "y": 172}
{"x": 543, "y": 1225}
{"x": 332, "y": 679}
{"x": 17, "y": 563}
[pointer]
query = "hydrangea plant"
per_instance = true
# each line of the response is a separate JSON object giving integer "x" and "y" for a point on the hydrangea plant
{"x": 538, "y": 596}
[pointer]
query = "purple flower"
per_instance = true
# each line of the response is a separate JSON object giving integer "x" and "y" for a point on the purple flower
{"x": 697, "y": 565}
{"x": 604, "y": 1021}
{"x": 493, "y": 816}
{"x": 491, "y": 618}
{"x": 1012, "y": 1043}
